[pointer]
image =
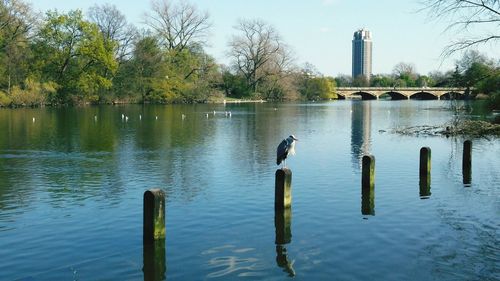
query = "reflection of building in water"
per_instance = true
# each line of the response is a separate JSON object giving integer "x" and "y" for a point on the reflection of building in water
{"x": 360, "y": 131}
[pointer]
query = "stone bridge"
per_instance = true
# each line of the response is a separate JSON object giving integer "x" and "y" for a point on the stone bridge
{"x": 395, "y": 93}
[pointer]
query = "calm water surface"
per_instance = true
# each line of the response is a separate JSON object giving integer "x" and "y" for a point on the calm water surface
{"x": 72, "y": 181}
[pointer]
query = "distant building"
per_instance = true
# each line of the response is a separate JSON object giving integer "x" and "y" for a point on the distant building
{"x": 362, "y": 53}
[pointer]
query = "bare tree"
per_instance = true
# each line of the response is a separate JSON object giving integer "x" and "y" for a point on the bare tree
{"x": 258, "y": 52}
{"x": 467, "y": 15}
{"x": 113, "y": 25}
{"x": 178, "y": 25}
{"x": 404, "y": 68}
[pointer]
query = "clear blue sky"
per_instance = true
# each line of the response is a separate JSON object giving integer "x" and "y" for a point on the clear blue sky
{"x": 318, "y": 31}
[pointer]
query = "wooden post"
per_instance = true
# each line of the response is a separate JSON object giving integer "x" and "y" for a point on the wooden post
{"x": 425, "y": 172}
{"x": 368, "y": 185}
{"x": 154, "y": 216}
{"x": 467, "y": 162}
{"x": 425, "y": 162}
{"x": 283, "y": 189}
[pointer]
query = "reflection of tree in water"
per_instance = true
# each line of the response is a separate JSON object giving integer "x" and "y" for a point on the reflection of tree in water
{"x": 360, "y": 131}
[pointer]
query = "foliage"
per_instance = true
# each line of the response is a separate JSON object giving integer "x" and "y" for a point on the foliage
{"x": 65, "y": 58}
{"x": 318, "y": 88}
{"x": 4, "y": 100}
{"x": 71, "y": 52}
{"x": 32, "y": 93}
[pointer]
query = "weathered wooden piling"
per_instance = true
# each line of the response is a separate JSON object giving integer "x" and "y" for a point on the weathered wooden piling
{"x": 283, "y": 189}
{"x": 425, "y": 172}
{"x": 467, "y": 162}
{"x": 425, "y": 162}
{"x": 283, "y": 225}
{"x": 154, "y": 216}
{"x": 368, "y": 185}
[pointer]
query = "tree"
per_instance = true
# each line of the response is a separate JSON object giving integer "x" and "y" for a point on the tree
{"x": 144, "y": 68}
{"x": 72, "y": 52}
{"x": 360, "y": 81}
{"x": 343, "y": 80}
{"x": 480, "y": 18}
{"x": 405, "y": 74}
{"x": 113, "y": 26}
{"x": 258, "y": 53}
{"x": 178, "y": 25}
{"x": 16, "y": 22}
{"x": 382, "y": 81}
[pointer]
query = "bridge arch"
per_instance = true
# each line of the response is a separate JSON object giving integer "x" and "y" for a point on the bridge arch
{"x": 423, "y": 96}
{"x": 366, "y": 95}
{"x": 394, "y": 95}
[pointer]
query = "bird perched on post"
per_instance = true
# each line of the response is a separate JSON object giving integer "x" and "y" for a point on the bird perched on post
{"x": 287, "y": 146}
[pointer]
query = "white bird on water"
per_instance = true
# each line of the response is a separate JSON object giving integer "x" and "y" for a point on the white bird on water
{"x": 33, "y": 119}
{"x": 183, "y": 116}
{"x": 286, "y": 147}
{"x": 140, "y": 117}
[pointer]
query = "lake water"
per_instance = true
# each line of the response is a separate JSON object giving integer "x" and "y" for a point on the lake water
{"x": 72, "y": 182}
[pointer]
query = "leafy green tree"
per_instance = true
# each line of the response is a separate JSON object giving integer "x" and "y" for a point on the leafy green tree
{"x": 382, "y": 81}
{"x": 73, "y": 53}
{"x": 16, "y": 22}
{"x": 318, "y": 88}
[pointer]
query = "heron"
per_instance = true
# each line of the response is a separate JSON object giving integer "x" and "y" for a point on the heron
{"x": 287, "y": 146}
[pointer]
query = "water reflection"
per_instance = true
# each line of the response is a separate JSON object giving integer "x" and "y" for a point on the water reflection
{"x": 283, "y": 225}
{"x": 425, "y": 187}
{"x": 360, "y": 131}
{"x": 155, "y": 266}
{"x": 367, "y": 202}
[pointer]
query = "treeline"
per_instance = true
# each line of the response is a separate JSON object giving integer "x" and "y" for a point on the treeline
{"x": 98, "y": 57}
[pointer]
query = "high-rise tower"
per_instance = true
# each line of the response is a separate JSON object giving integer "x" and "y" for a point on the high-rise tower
{"x": 362, "y": 54}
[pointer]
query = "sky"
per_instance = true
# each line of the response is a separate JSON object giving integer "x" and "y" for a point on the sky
{"x": 319, "y": 31}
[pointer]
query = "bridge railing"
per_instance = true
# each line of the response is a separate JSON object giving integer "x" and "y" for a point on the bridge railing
{"x": 401, "y": 89}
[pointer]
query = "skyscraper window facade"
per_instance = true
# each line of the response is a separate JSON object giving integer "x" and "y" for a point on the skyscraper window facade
{"x": 362, "y": 54}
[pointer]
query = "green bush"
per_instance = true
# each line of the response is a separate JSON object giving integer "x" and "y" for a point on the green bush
{"x": 33, "y": 93}
{"x": 493, "y": 101}
{"x": 4, "y": 100}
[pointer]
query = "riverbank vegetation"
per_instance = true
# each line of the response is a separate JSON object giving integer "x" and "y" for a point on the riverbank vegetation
{"x": 75, "y": 58}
